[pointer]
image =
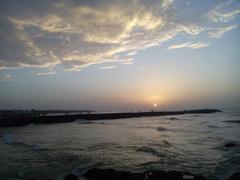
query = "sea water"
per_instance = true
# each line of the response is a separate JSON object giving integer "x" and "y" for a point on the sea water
{"x": 193, "y": 143}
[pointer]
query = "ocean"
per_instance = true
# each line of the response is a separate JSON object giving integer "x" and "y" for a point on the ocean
{"x": 192, "y": 142}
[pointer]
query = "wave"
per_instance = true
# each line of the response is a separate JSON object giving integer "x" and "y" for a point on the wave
{"x": 212, "y": 126}
{"x": 31, "y": 125}
{"x": 149, "y": 150}
{"x": 173, "y": 118}
{"x": 167, "y": 143}
{"x": 162, "y": 144}
{"x": 9, "y": 138}
{"x": 232, "y": 121}
{"x": 149, "y": 163}
{"x": 104, "y": 145}
{"x": 222, "y": 170}
{"x": 229, "y": 146}
{"x": 83, "y": 121}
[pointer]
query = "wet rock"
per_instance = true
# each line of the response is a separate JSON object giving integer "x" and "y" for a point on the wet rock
{"x": 235, "y": 176}
{"x": 156, "y": 175}
{"x": 149, "y": 150}
{"x": 167, "y": 143}
{"x": 111, "y": 174}
{"x": 106, "y": 174}
{"x": 161, "y": 129}
{"x": 232, "y": 121}
{"x": 190, "y": 176}
{"x": 71, "y": 177}
{"x": 174, "y": 175}
{"x": 230, "y": 145}
{"x": 173, "y": 118}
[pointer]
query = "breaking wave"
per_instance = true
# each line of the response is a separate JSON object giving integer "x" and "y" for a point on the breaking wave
{"x": 149, "y": 150}
{"x": 9, "y": 138}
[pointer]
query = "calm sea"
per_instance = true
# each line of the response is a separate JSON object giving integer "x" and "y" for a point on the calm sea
{"x": 193, "y": 143}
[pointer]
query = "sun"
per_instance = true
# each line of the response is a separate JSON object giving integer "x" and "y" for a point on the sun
{"x": 155, "y": 105}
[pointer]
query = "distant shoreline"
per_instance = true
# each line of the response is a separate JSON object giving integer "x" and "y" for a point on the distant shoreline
{"x": 22, "y": 121}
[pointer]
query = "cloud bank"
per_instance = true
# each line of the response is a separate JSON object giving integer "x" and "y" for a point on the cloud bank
{"x": 75, "y": 34}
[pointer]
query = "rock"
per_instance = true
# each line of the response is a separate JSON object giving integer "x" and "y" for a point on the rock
{"x": 161, "y": 129}
{"x": 230, "y": 145}
{"x": 174, "y": 175}
{"x": 173, "y": 118}
{"x": 189, "y": 176}
{"x": 71, "y": 177}
{"x": 232, "y": 121}
{"x": 106, "y": 174}
{"x": 167, "y": 143}
{"x": 111, "y": 174}
{"x": 156, "y": 175}
{"x": 235, "y": 176}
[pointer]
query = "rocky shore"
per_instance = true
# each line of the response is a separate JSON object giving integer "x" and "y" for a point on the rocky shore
{"x": 111, "y": 174}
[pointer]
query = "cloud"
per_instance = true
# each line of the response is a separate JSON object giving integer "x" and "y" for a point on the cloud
{"x": 46, "y": 73}
{"x": 132, "y": 53}
{"x": 225, "y": 11}
{"x": 76, "y": 34}
{"x": 108, "y": 67}
{"x": 128, "y": 62}
{"x": 189, "y": 45}
{"x": 219, "y": 32}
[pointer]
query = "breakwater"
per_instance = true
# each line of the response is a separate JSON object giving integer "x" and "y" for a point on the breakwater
{"x": 45, "y": 119}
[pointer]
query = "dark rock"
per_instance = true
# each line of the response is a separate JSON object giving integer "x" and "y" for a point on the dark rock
{"x": 174, "y": 175}
{"x": 71, "y": 177}
{"x": 106, "y": 174}
{"x": 189, "y": 176}
{"x": 173, "y": 118}
{"x": 156, "y": 175}
{"x": 235, "y": 176}
{"x": 199, "y": 178}
{"x": 230, "y": 145}
{"x": 16, "y": 120}
{"x": 232, "y": 121}
{"x": 167, "y": 143}
{"x": 111, "y": 174}
{"x": 161, "y": 129}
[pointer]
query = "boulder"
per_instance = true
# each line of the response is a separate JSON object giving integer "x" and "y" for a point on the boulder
{"x": 111, "y": 174}
{"x": 235, "y": 176}
{"x": 106, "y": 174}
{"x": 71, "y": 177}
{"x": 230, "y": 145}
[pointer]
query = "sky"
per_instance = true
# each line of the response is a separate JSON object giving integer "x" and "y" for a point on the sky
{"x": 109, "y": 55}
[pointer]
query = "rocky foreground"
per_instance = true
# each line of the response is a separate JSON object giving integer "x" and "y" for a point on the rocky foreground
{"x": 111, "y": 174}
